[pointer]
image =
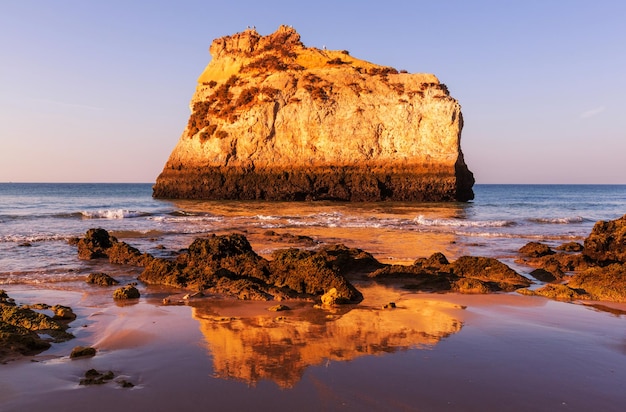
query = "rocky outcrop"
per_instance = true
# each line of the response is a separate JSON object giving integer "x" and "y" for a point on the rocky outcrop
{"x": 98, "y": 243}
{"x": 274, "y": 119}
{"x": 468, "y": 274}
{"x": 599, "y": 272}
{"x": 227, "y": 265}
{"x": 606, "y": 244}
{"x": 21, "y": 326}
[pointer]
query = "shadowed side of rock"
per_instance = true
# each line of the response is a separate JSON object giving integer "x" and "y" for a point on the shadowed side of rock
{"x": 468, "y": 274}
{"x": 358, "y": 184}
{"x": 598, "y": 272}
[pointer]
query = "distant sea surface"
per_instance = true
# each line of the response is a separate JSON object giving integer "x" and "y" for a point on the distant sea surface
{"x": 36, "y": 220}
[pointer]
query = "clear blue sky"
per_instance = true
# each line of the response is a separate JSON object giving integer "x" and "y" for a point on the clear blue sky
{"x": 99, "y": 91}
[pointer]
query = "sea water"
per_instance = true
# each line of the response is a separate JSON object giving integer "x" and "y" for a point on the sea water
{"x": 36, "y": 221}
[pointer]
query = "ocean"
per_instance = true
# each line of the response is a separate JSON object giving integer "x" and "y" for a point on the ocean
{"x": 36, "y": 221}
{"x": 435, "y": 352}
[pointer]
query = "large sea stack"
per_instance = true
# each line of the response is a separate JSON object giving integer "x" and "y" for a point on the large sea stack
{"x": 273, "y": 119}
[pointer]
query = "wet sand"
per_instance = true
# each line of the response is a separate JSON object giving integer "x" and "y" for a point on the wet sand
{"x": 432, "y": 352}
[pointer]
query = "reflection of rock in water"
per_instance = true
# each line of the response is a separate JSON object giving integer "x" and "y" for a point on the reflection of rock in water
{"x": 262, "y": 347}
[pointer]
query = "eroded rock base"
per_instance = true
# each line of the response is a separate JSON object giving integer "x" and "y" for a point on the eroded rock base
{"x": 363, "y": 184}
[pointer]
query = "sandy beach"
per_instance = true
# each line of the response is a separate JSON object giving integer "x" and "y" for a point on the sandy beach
{"x": 432, "y": 352}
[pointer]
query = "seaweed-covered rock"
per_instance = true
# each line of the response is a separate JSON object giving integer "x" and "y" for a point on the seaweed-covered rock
{"x": 348, "y": 260}
{"x": 543, "y": 275}
{"x": 310, "y": 273}
{"x": 98, "y": 243}
{"x": 94, "y": 244}
{"x": 101, "y": 279}
{"x": 227, "y": 265}
{"x": 602, "y": 283}
{"x": 273, "y": 236}
{"x": 20, "y": 328}
{"x": 63, "y": 313}
{"x": 606, "y": 244}
{"x": 570, "y": 247}
{"x": 536, "y": 249}
{"x": 489, "y": 270}
{"x": 556, "y": 291}
{"x": 472, "y": 286}
{"x": 126, "y": 292}
{"x": 436, "y": 261}
{"x": 468, "y": 274}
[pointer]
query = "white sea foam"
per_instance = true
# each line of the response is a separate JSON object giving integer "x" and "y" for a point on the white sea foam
{"x": 110, "y": 214}
{"x": 559, "y": 220}
{"x": 264, "y": 217}
{"x": 186, "y": 218}
{"x": 37, "y": 237}
{"x": 423, "y": 221}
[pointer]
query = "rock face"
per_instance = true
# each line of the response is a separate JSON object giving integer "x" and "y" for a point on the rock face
{"x": 273, "y": 119}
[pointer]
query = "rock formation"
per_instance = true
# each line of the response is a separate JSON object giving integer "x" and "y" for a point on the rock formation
{"x": 599, "y": 270}
{"x": 273, "y": 119}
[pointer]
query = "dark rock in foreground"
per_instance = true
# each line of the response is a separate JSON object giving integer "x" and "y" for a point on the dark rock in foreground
{"x": 599, "y": 271}
{"x": 468, "y": 274}
{"x": 20, "y": 327}
{"x": 228, "y": 265}
{"x": 126, "y": 292}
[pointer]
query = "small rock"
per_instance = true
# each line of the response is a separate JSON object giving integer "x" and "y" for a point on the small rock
{"x": 101, "y": 279}
{"x": 278, "y": 308}
{"x": 63, "y": 313}
{"x": 125, "y": 384}
{"x": 536, "y": 249}
{"x": 390, "y": 305}
{"x": 82, "y": 352}
{"x": 330, "y": 298}
{"x": 25, "y": 244}
{"x": 93, "y": 377}
{"x": 193, "y": 295}
{"x": 126, "y": 292}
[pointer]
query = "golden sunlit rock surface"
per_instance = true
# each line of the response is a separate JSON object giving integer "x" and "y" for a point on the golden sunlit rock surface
{"x": 280, "y": 348}
{"x": 274, "y": 119}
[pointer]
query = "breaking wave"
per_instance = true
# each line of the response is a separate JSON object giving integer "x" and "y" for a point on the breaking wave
{"x": 559, "y": 220}
{"x": 423, "y": 221}
{"x": 112, "y": 214}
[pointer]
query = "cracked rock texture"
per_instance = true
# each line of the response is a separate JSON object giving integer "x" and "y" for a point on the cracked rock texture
{"x": 273, "y": 119}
